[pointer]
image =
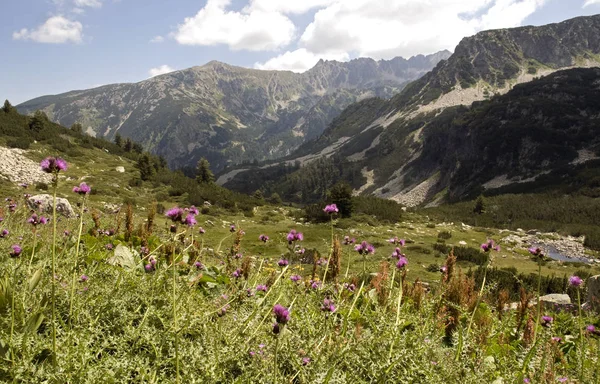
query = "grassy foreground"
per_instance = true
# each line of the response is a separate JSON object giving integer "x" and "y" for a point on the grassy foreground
{"x": 182, "y": 306}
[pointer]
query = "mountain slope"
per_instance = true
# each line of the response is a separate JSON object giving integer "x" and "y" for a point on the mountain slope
{"x": 381, "y": 142}
{"x": 227, "y": 113}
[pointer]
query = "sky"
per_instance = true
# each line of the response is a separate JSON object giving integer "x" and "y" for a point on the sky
{"x": 54, "y": 46}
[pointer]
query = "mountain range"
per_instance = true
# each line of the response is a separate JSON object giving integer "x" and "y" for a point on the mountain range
{"x": 230, "y": 114}
{"x": 465, "y": 127}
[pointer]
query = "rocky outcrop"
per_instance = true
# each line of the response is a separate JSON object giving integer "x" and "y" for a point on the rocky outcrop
{"x": 18, "y": 168}
{"x": 43, "y": 203}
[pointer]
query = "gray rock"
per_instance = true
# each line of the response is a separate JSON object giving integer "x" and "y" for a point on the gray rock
{"x": 124, "y": 257}
{"x": 593, "y": 295}
{"x": 554, "y": 300}
{"x": 44, "y": 203}
{"x": 120, "y": 169}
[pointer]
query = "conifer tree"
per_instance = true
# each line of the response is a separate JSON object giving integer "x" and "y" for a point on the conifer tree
{"x": 203, "y": 172}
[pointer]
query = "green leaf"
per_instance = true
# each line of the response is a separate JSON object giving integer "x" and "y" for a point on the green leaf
{"x": 33, "y": 323}
{"x": 35, "y": 279}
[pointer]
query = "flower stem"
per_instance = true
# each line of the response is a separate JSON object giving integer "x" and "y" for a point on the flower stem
{"x": 275, "y": 370}
{"x": 539, "y": 303}
{"x": 73, "y": 281}
{"x": 54, "y": 358}
{"x": 33, "y": 249}
{"x": 330, "y": 254}
{"x": 173, "y": 267}
{"x": 581, "y": 340}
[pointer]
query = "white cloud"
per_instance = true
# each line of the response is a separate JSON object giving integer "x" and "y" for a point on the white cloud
{"x": 385, "y": 29}
{"x": 157, "y": 39}
{"x": 88, "y": 3}
{"x": 287, "y": 6}
{"x": 590, "y": 2}
{"x": 250, "y": 29}
{"x": 160, "y": 70}
{"x": 299, "y": 60}
{"x": 55, "y": 30}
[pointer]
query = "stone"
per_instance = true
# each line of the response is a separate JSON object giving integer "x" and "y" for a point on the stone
{"x": 44, "y": 203}
{"x": 593, "y": 295}
{"x": 462, "y": 242}
{"x": 120, "y": 169}
{"x": 124, "y": 257}
{"x": 554, "y": 301}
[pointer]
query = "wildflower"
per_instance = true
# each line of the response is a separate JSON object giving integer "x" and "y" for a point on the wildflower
{"x": 295, "y": 278}
{"x": 193, "y": 210}
{"x": 83, "y": 278}
{"x": 82, "y": 189}
{"x": 331, "y": 208}
{"x": 190, "y": 220}
{"x": 350, "y": 287}
{"x": 322, "y": 262}
{"x": 315, "y": 284}
{"x": 67, "y": 233}
{"x": 562, "y": 379}
{"x": 397, "y": 254}
{"x": 53, "y": 165}
{"x": 109, "y": 246}
{"x": 575, "y": 281}
{"x": 526, "y": 380}
{"x": 395, "y": 240}
{"x": 547, "y": 320}
{"x": 348, "y": 240}
{"x": 36, "y": 220}
{"x": 262, "y": 288}
{"x": 401, "y": 262}
{"x": 249, "y": 292}
{"x": 590, "y": 328}
{"x": 283, "y": 263}
{"x": 223, "y": 310}
{"x": 202, "y": 231}
{"x": 148, "y": 267}
{"x": 4, "y": 233}
{"x": 144, "y": 250}
{"x": 276, "y": 329}
{"x": 23, "y": 185}
{"x": 152, "y": 261}
{"x": 12, "y": 207}
{"x": 535, "y": 251}
{"x": 282, "y": 314}
{"x": 16, "y": 250}
{"x": 556, "y": 339}
{"x": 232, "y": 228}
{"x": 175, "y": 214}
{"x": 294, "y": 236}
{"x": 489, "y": 246}
{"x": 198, "y": 265}
{"x": 443, "y": 269}
{"x": 237, "y": 273}
{"x": 252, "y": 353}
{"x": 328, "y": 306}
{"x": 263, "y": 238}
{"x": 364, "y": 248}
{"x": 301, "y": 251}
{"x": 238, "y": 256}
{"x": 305, "y": 361}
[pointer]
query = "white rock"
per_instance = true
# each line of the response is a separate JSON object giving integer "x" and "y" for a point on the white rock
{"x": 120, "y": 169}
{"x": 44, "y": 203}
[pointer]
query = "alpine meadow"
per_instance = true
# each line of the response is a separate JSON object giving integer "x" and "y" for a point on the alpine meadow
{"x": 371, "y": 192}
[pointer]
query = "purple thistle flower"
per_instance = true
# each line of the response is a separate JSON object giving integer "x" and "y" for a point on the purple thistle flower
{"x": 198, "y": 265}
{"x": 232, "y": 228}
{"x": 556, "y": 339}
{"x": 295, "y": 278}
{"x": 193, "y": 210}
{"x": 148, "y": 267}
{"x": 328, "y": 306}
{"x": 562, "y": 379}
{"x": 489, "y": 246}
{"x": 36, "y": 220}
{"x": 237, "y": 273}
{"x": 526, "y": 380}
{"x": 16, "y": 250}
{"x": 263, "y": 238}
{"x": 443, "y": 269}
{"x": 322, "y": 262}
{"x": 401, "y": 262}
{"x": 83, "y": 189}
{"x": 535, "y": 251}
{"x": 4, "y": 233}
{"x": 283, "y": 263}
{"x": 238, "y": 256}
{"x": 294, "y": 236}
{"x": 144, "y": 251}
{"x": 364, "y": 248}
{"x": 282, "y": 314}
{"x": 223, "y": 310}
{"x": 175, "y": 214}
{"x": 276, "y": 328}
{"x": 397, "y": 254}
{"x": 547, "y": 321}
{"x": 305, "y": 361}
{"x": 590, "y": 328}
{"x": 109, "y": 246}
{"x": 202, "y": 231}
{"x": 350, "y": 287}
{"x": 152, "y": 261}
{"x": 575, "y": 281}
{"x": 395, "y": 240}
{"x": 301, "y": 251}
{"x": 331, "y": 208}
{"x": 262, "y": 288}
{"x": 190, "y": 220}
{"x": 315, "y": 284}
{"x": 83, "y": 278}
{"x": 348, "y": 240}
{"x": 53, "y": 165}
{"x": 66, "y": 233}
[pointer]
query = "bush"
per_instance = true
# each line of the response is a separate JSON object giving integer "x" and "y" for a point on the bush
{"x": 445, "y": 235}
{"x": 470, "y": 254}
{"x": 19, "y": 142}
{"x": 442, "y": 248}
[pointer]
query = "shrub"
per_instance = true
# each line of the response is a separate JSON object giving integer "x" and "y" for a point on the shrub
{"x": 19, "y": 142}
{"x": 445, "y": 235}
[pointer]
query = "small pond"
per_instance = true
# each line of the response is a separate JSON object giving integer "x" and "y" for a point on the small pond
{"x": 554, "y": 254}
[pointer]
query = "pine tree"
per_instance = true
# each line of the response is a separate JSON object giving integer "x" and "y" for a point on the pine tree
{"x": 128, "y": 145}
{"x": 258, "y": 195}
{"x": 118, "y": 140}
{"x": 341, "y": 195}
{"x": 77, "y": 128}
{"x": 38, "y": 121}
{"x": 145, "y": 166}
{"x": 7, "y": 108}
{"x": 203, "y": 172}
{"x": 479, "y": 207}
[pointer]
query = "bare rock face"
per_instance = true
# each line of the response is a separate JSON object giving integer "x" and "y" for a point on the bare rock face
{"x": 44, "y": 203}
{"x": 593, "y": 295}
{"x": 17, "y": 168}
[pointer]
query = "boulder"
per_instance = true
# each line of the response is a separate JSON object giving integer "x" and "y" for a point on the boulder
{"x": 555, "y": 301}
{"x": 120, "y": 169}
{"x": 593, "y": 295}
{"x": 44, "y": 203}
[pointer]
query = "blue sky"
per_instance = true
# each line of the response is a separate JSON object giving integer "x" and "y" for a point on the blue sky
{"x": 53, "y": 46}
